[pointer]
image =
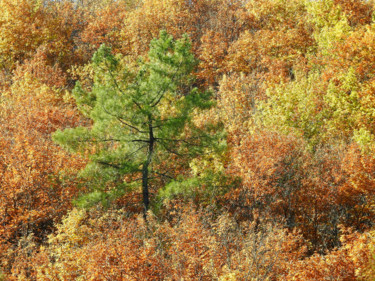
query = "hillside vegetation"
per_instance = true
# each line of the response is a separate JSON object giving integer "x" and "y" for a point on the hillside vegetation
{"x": 187, "y": 140}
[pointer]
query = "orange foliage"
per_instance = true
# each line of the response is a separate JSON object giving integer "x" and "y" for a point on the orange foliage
{"x": 321, "y": 196}
{"x": 103, "y": 26}
{"x": 223, "y": 27}
{"x": 310, "y": 192}
{"x": 35, "y": 191}
{"x": 176, "y": 17}
{"x": 275, "y": 42}
{"x": 358, "y": 12}
{"x": 350, "y": 262}
{"x": 25, "y": 25}
{"x": 193, "y": 246}
{"x": 358, "y": 188}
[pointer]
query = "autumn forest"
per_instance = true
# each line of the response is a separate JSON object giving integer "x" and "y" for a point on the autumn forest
{"x": 187, "y": 140}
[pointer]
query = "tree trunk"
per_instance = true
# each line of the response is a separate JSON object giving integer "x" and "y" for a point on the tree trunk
{"x": 145, "y": 169}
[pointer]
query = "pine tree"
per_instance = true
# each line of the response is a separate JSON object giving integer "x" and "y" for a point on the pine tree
{"x": 139, "y": 118}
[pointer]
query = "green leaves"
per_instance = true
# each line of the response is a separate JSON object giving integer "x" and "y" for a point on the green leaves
{"x": 139, "y": 118}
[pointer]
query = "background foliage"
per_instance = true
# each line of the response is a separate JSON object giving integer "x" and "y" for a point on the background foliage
{"x": 266, "y": 170}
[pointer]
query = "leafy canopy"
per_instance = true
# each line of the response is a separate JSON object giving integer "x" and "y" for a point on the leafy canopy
{"x": 140, "y": 118}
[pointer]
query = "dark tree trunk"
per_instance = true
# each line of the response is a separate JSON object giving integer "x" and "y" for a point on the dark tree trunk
{"x": 145, "y": 169}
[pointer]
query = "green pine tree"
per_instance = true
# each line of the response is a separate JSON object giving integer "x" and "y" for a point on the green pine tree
{"x": 139, "y": 118}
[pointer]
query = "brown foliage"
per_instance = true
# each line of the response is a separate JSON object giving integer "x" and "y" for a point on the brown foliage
{"x": 193, "y": 247}
{"x": 34, "y": 190}
{"x": 275, "y": 41}
{"x": 323, "y": 193}
{"x": 26, "y": 25}
{"x": 310, "y": 192}
{"x": 358, "y": 12}
{"x": 103, "y": 26}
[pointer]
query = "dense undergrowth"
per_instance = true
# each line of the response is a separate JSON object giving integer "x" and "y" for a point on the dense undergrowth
{"x": 187, "y": 140}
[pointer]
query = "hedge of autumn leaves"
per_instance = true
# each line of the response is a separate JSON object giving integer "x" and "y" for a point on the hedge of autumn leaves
{"x": 290, "y": 198}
